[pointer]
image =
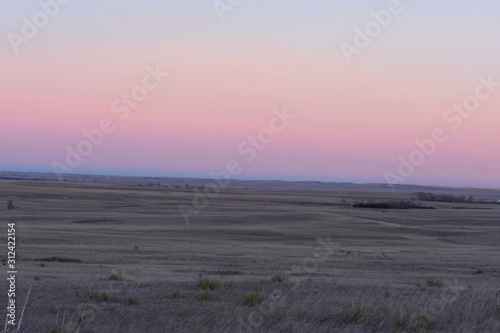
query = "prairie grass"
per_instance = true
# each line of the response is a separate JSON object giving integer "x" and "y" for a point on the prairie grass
{"x": 353, "y": 314}
{"x": 430, "y": 282}
{"x": 360, "y": 276}
{"x": 98, "y": 296}
{"x": 208, "y": 284}
{"x": 252, "y": 299}
{"x": 403, "y": 321}
{"x": 115, "y": 277}
{"x": 348, "y": 305}
{"x": 176, "y": 294}
{"x": 206, "y": 295}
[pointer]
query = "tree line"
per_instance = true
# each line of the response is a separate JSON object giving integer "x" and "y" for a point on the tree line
{"x": 427, "y": 196}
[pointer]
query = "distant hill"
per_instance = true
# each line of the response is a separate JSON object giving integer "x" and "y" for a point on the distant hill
{"x": 251, "y": 185}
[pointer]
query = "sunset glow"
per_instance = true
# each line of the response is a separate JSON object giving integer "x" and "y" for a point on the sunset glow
{"x": 226, "y": 79}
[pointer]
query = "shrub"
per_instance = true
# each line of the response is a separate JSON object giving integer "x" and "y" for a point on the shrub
{"x": 252, "y": 299}
{"x": 115, "y": 277}
{"x": 207, "y": 284}
{"x": 434, "y": 283}
{"x": 98, "y": 296}
{"x": 206, "y": 295}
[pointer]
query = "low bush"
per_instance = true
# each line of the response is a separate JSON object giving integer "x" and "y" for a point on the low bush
{"x": 99, "y": 297}
{"x": 206, "y": 295}
{"x": 115, "y": 277}
{"x": 252, "y": 299}
{"x": 208, "y": 284}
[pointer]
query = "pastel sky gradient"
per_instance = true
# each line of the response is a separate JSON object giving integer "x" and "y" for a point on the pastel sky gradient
{"x": 226, "y": 77}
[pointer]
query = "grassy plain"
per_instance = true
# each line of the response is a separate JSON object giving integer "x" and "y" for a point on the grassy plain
{"x": 103, "y": 254}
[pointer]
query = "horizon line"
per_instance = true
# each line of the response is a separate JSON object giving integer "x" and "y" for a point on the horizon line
{"x": 262, "y": 180}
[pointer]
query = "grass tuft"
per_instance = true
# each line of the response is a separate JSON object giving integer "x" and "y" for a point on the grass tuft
{"x": 207, "y": 284}
{"x": 206, "y": 295}
{"x": 415, "y": 323}
{"x": 404, "y": 321}
{"x": 430, "y": 282}
{"x": 352, "y": 315}
{"x": 176, "y": 294}
{"x": 98, "y": 296}
{"x": 252, "y": 299}
{"x": 115, "y": 277}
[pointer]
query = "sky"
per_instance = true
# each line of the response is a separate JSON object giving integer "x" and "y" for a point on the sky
{"x": 356, "y": 91}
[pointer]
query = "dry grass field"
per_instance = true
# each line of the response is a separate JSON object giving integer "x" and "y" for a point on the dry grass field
{"x": 103, "y": 254}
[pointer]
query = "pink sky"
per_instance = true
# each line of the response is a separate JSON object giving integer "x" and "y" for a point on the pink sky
{"x": 353, "y": 120}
